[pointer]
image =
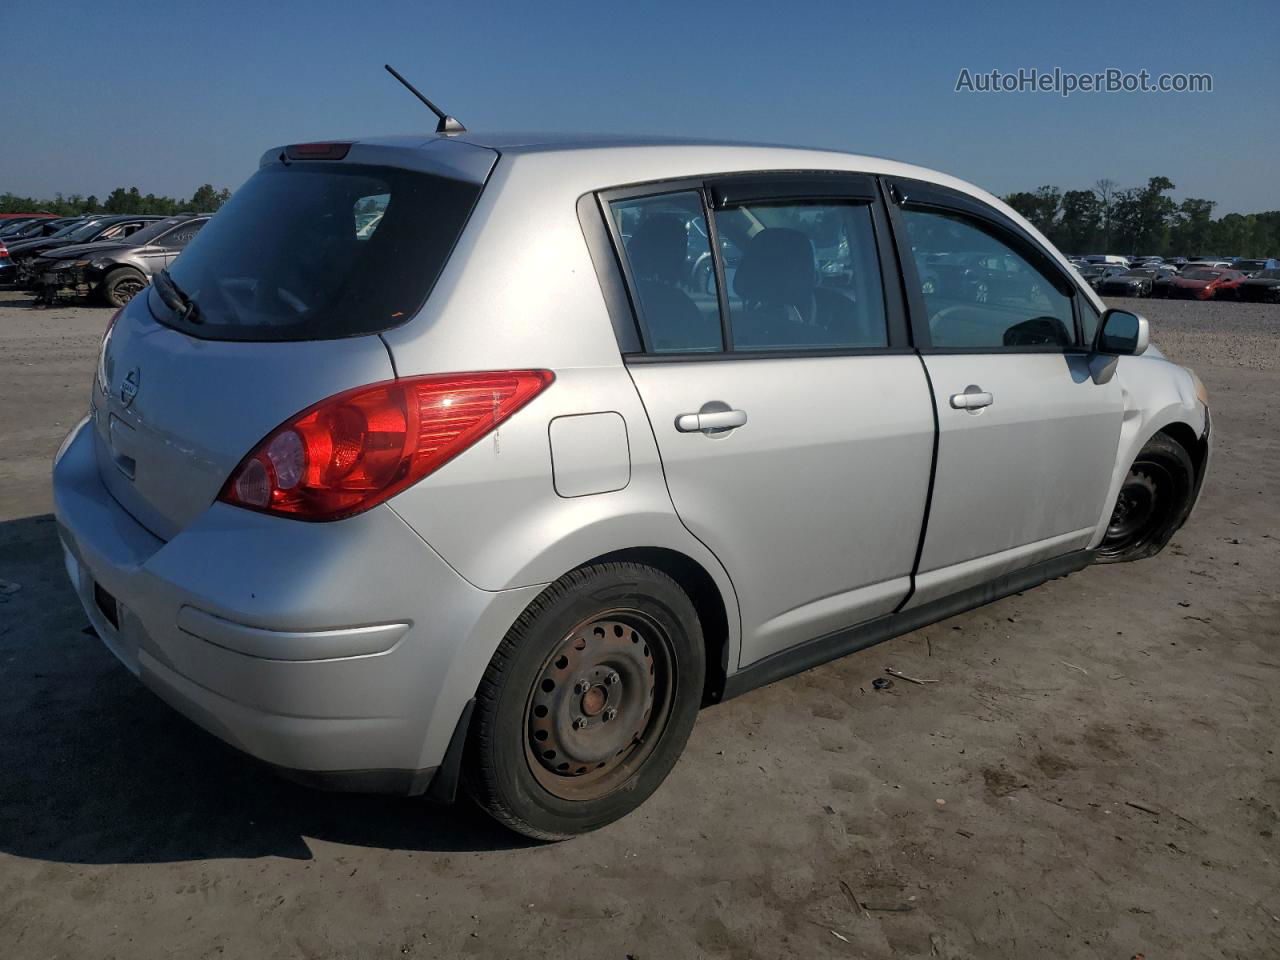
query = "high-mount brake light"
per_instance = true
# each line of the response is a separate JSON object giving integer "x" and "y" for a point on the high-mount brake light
{"x": 356, "y": 449}
{"x": 317, "y": 151}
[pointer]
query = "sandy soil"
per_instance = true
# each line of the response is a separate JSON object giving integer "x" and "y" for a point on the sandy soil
{"x": 1095, "y": 774}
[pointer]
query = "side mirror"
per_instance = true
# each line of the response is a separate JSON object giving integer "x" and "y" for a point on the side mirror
{"x": 1123, "y": 333}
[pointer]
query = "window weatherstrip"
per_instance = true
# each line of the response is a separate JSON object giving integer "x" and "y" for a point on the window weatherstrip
{"x": 717, "y": 264}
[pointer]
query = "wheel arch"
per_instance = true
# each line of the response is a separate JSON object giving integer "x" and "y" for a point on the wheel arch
{"x": 1185, "y": 436}
{"x": 708, "y": 601}
{"x": 1160, "y": 398}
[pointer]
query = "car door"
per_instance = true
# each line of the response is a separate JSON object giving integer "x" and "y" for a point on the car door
{"x": 794, "y": 423}
{"x": 1028, "y": 419}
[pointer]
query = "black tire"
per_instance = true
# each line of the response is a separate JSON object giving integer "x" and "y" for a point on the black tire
{"x": 539, "y": 755}
{"x": 1154, "y": 501}
{"x": 122, "y": 285}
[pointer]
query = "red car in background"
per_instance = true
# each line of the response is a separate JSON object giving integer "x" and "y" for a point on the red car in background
{"x": 1203, "y": 284}
{"x": 26, "y": 216}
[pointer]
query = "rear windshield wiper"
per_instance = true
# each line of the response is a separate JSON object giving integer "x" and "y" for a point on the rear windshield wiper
{"x": 177, "y": 299}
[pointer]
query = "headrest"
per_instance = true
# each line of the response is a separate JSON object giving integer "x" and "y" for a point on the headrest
{"x": 658, "y": 247}
{"x": 779, "y": 266}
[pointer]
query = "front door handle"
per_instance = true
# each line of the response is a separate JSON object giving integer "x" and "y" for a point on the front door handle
{"x": 973, "y": 398}
{"x": 712, "y": 420}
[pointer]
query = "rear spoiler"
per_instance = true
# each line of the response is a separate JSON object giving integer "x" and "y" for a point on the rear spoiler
{"x": 439, "y": 155}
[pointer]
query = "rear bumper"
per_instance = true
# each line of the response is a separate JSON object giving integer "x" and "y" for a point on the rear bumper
{"x": 343, "y": 653}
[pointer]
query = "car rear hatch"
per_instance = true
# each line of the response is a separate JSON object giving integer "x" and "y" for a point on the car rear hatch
{"x": 275, "y": 305}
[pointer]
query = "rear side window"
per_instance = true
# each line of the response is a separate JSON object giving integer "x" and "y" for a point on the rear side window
{"x": 802, "y": 276}
{"x": 314, "y": 251}
{"x": 673, "y": 277}
{"x": 981, "y": 293}
{"x": 182, "y": 236}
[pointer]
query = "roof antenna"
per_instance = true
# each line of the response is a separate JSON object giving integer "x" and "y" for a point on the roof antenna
{"x": 447, "y": 123}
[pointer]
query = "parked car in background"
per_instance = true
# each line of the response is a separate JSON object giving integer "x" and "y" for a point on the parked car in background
{"x": 1261, "y": 287}
{"x": 1095, "y": 273}
{"x": 1202, "y": 283}
{"x": 113, "y": 271}
{"x": 92, "y": 229}
{"x": 10, "y": 227}
{"x": 1137, "y": 282}
{"x": 20, "y": 226}
{"x": 24, "y": 216}
{"x": 1111, "y": 258}
{"x": 1250, "y": 267}
{"x": 7, "y": 268}
{"x": 1208, "y": 263}
{"x": 44, "y": 227}
{"x": 401, "y": 509}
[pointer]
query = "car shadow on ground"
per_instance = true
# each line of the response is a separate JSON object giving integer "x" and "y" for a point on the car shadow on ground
{"x": 96, "y": 769}
{"x": 29, "y": 300}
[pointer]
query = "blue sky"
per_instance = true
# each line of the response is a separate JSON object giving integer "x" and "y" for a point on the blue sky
{"x": 172, "y": 94}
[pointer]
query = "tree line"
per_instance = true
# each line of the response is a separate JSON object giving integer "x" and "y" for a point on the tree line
{"x": 1145, "y": 220}
{"x": 120, "y": 200}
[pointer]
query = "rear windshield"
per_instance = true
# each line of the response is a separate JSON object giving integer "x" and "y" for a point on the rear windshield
{"x": 316, "y": 251}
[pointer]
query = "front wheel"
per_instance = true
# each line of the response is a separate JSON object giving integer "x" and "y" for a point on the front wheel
{"x": 1154, "y": 500}
{"x": 587, "y": 703}
{"x": 121, "y": 286}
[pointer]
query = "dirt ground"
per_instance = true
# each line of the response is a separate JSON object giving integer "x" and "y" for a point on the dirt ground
{"x": 1094, "y": 774}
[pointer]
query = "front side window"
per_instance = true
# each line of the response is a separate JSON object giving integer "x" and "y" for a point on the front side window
{"x": 981, "y": 293}
{"x": 802, "y": 276}
{"x": 665, "y": 241}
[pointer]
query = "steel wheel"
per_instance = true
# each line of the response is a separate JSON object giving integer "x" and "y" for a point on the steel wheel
{"x": 599, "y": 698}
{"x": 1153, "y": 501}
{"x": 587, "y": 702}
{"x": 1135, "y": 507}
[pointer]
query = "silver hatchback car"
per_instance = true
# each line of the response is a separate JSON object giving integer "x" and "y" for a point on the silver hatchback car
{"x": 487, "y": 461}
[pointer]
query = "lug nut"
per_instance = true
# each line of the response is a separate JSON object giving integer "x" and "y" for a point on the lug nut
{"x": 581, "y": 687}
{"x": 610, "y": 713}
{"x": 612, "y": 678}
{"x": 579, "y": 723}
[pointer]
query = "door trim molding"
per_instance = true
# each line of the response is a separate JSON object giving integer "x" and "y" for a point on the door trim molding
{"x": 842, "y": 642}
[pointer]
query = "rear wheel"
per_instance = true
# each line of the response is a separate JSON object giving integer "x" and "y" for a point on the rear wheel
{"x": 1153, "y": 502}
{"x": 587, "y": 703}
{"x": 121, "y": 286}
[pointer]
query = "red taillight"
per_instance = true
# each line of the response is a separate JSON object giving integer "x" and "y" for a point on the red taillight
{"x": 358, "y": 448}
{"x": 4, "y": 251}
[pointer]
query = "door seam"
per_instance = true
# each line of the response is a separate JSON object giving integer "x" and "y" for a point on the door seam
{"x": 928, "y": 497}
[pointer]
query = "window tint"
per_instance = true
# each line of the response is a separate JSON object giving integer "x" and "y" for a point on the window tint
{"x": 802, "y": 276}
{"x": 180, "y": 237}
{"x": 284, "y": 259}
{"x": 669, "y": 253}
{"x": 980, "y": 292}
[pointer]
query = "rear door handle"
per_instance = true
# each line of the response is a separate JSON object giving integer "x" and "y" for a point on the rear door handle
{"x": 971, "y": 399}
{"x": 714, "y": 420}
